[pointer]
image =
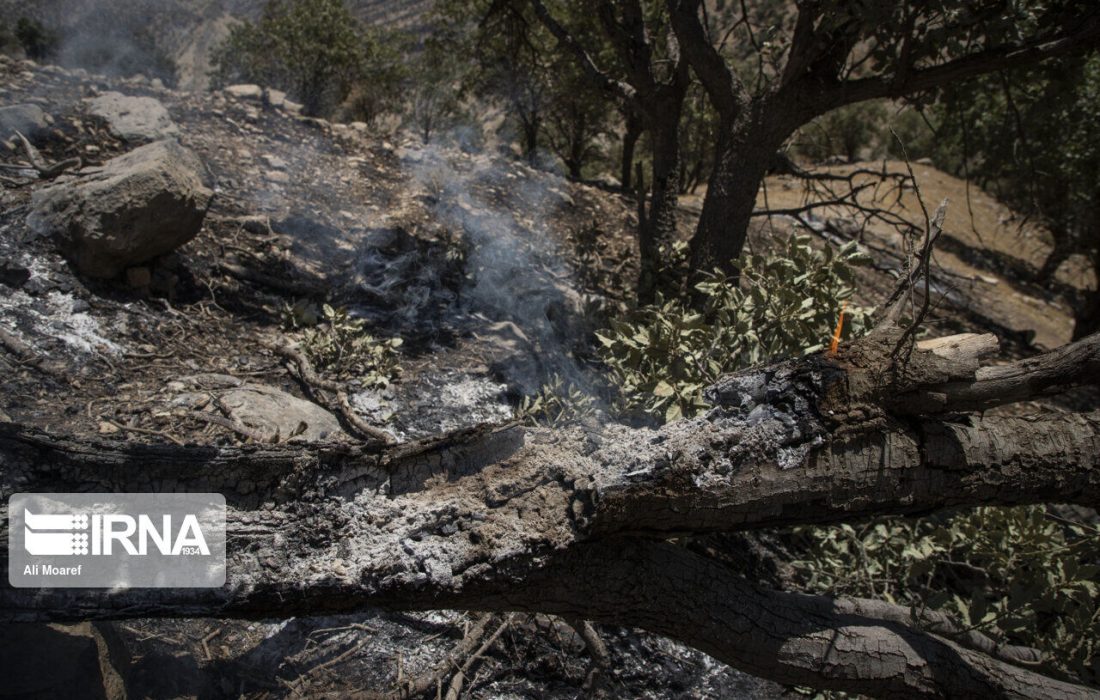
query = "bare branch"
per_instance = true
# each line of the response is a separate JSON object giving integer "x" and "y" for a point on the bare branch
{"x": 44, "y": 170}
{"x": 725, "y": 89}
{"x": 1084, "y": 36}
{"x": 600, "y": 78}
{"x": 1072, "y": 365}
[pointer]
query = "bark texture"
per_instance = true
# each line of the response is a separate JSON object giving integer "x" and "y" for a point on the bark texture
{"x": 575, "y": 521}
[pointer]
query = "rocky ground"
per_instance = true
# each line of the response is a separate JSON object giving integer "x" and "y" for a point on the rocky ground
{"x": 490, "y": 272}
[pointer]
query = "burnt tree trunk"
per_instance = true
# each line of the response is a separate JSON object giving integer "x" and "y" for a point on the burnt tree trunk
{"x": 578, "y": 143}
{"x": 1062, "y": 250}
{"x": 577, "y": 521}
{"x": 658, "y": 228}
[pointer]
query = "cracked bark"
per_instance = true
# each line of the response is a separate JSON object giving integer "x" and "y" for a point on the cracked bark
{"x": 574, "y": 521}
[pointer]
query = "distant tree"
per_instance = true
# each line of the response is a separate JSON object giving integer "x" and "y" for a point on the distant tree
{"x": 576, "y": 117}
{"x": 385, "y": 75}
{"x": 1031, "y": 136}
{"x": 631, "y": 55}
{"x": 313, "y": 49}
{"x": 434, "y": 89}
{"x": 696, "y": 134}
{"x": 846, "y": 132}
{"x": 37, "y": 41}
{"x": 8, "y": 43}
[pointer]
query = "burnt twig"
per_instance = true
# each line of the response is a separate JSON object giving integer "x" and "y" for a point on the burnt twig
{"x": 44, "y": 170}
{"x": 315, "y": 383}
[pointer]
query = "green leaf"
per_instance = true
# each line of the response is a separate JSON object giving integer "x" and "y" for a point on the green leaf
{"x": 673, "y": 412}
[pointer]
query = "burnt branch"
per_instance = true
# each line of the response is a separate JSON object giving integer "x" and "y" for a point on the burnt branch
{"x": 574, "y": 522}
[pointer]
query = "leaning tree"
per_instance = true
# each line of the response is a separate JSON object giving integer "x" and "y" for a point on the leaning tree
{"x": 589, "y": 521}
{"x": 770, "y": 68}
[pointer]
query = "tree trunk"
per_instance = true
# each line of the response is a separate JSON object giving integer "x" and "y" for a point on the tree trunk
{"x": 1063, "y": 248}
{"x": 578, "y": 143}
{"x": 659, "y": 227}
{"x": 1087, "y": 319}
{"x": 633, "y": 131}
{"x": 742, "y": 156}
{"x": 576, "y": 521}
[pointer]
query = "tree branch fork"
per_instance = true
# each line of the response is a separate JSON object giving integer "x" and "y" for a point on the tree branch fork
{"x": 578, "y": 521}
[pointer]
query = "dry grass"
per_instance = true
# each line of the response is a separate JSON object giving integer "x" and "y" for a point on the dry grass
{"x": 987, "y": 245}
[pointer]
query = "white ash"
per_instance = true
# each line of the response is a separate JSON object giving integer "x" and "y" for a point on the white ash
{"x": 60, "y": 316}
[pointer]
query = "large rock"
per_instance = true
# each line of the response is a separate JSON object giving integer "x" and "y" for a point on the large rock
{"x": 267, "y": 410}
{"x": 273, "y": 412}
{"x": 138, "y": 206}
{"x": 134, "y": 118}
{"x": 28, "y": 119}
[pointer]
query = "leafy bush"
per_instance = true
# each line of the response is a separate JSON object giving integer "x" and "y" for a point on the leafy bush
{"x": 1019, "y": 575}
{"x": 662, "y": 356}
{"x": 558, "y": 402}
{"x": 379, "y": 90}
{"x": 340, "y": 344}
{"x": 37, "y": 41}
{"x": 313, "y": 49}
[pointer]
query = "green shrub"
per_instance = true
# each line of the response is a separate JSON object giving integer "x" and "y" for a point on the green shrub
{"x": 313, "y": 49}
{"x": 662, "y": 356}
{"x": 1019, "y": 575}
{"x": 558, "y": 402}
{"x": 339, "y": 344}
{"x": 847, "y": 131}
{"x": 38, "y": 42}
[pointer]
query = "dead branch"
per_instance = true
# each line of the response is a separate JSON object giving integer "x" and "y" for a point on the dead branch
{"x": 44, "y": 170}
{"x": 229, "y": 424}
{"x": 290, "y": 286}
{"x": 454, "y": 690}
{"x": 1063, "y": 368}
{"x": 934, "y": 228}
{"x": 465, "y": 652}
{"x": 597, "y": 650}
{"x": 146, "y": 431}
{"x": 26, "y": 355}
{"x": 315, "y": 383}
{"x": 903, "y": 290}
{"x": 575, "y": 522}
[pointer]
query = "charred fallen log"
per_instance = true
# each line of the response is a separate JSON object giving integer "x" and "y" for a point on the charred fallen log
{"x": 577, "y": 521}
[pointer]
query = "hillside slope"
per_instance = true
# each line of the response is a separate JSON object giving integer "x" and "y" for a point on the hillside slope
{"x": 187, "y": 31}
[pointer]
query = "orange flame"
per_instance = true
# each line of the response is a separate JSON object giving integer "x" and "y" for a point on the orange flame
{"x": 839, "y": 329}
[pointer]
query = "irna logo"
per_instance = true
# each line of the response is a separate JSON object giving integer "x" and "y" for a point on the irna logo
{"x": 116, "y": 540}
{"x": 69, "y": 534}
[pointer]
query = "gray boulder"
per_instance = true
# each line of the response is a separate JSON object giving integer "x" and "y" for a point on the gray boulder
{"x": 28, "y": 119}
{"x": 133, "y": 118}
{"x": 137, "y": 207}
{"x": 265, "y": 409}
{"x": 273, "y": 412}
